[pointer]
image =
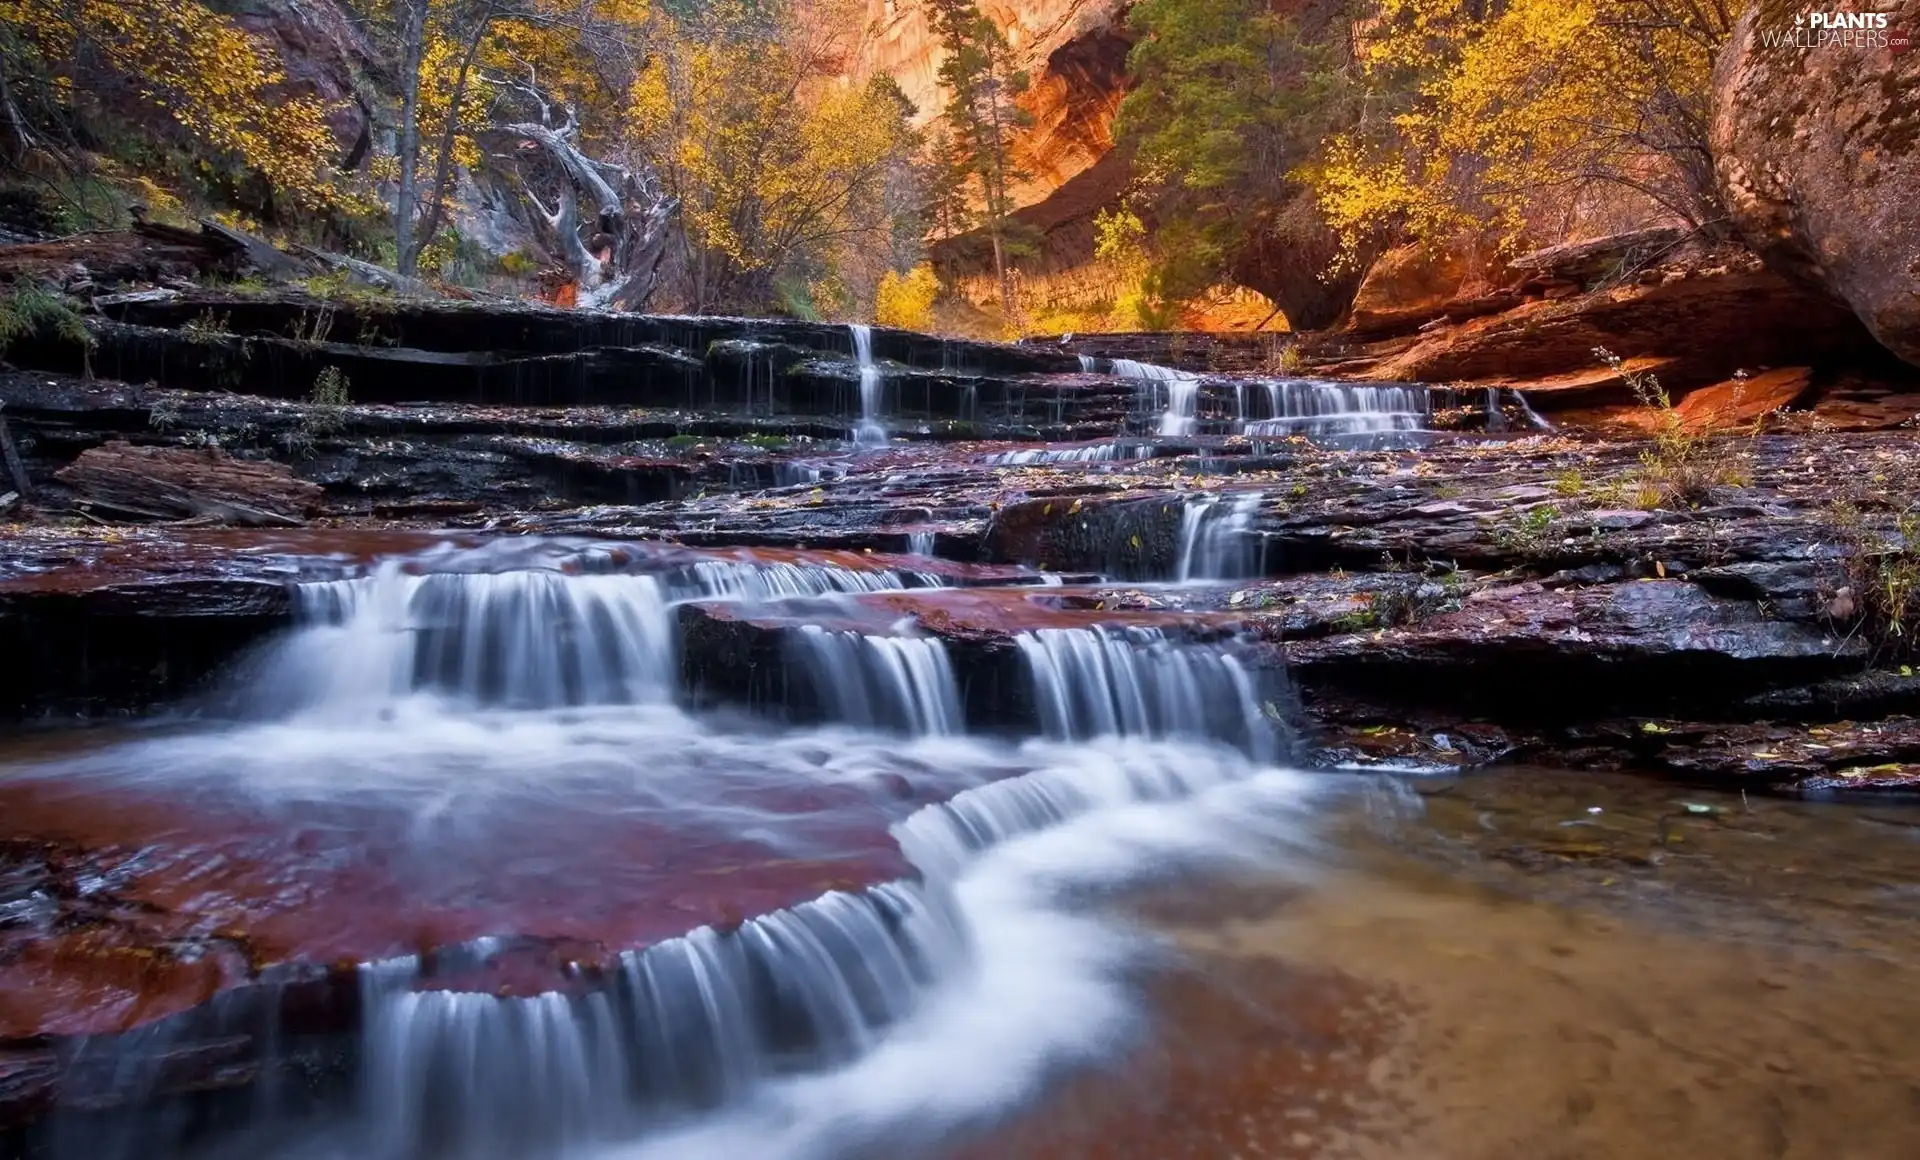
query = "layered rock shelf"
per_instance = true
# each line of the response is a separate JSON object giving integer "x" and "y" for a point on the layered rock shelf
{"x": 1384, "y": 576}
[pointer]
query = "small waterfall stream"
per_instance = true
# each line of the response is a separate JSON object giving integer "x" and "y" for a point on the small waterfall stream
{"x": 464, "y": 701}
{"x": 1182, "y": 391}
{"x": 871, "y": 432}
{"x": 1101, "y": 682}
{"x": 883, "y": 682}
{"x": 1304, "y": 407}
{"x": 1215, "y": 540}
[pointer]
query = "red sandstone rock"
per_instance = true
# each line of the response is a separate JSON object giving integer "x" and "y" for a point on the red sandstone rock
{"x": 1738, "y": 402}
{"x": 1817, "y": 153}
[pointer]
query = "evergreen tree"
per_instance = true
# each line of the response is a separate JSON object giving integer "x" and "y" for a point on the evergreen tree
{"x": 982, "y": 116}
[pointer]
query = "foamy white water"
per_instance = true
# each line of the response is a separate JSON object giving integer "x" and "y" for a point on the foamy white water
{"x": 502, "y": 733}
{"x": 871, "y": 432}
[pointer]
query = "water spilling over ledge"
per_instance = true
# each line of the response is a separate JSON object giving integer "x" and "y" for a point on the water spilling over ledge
{"x": 445, "y": 736}
{"x": 737, "y": 779}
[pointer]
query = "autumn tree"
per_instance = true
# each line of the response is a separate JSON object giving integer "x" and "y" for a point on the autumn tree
{"x": 1531, "y": 116}
{"x": 981, "y": 118}
{"x": 777, "y": 165}
{"x": 148, "y": 75}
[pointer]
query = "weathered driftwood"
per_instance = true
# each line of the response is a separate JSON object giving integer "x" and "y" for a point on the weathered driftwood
{"x": 616, "y": 246}
{"x": 368, "y": 274}
{"x": 172, "y": 483}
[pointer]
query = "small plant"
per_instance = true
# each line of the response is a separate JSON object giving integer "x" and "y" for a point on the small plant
{"x": 1530, "y": 532}
{"x": 30, "y": 308}
{"x": 1362, "y": 619}
{"x": 1292, "y": 360}
{"x": 164, "y": 415}
{"x": 1684, "y": 465}
{"x": 1570, "y": 484}
{"x": 206, "y": 327}
{"x": 313, "y": 326}
{"x": 1882, "y": 592}
{"x": 330, "y": 396}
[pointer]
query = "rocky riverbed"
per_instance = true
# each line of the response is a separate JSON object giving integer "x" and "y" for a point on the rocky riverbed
{"x": 310, "y": 572}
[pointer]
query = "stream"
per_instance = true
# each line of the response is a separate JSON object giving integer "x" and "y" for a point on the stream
{"x": 577, "y": 916}
{"x": 936, "y": 804}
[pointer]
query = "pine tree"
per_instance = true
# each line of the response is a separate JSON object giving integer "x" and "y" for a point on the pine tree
{"x": 982, "y": 116}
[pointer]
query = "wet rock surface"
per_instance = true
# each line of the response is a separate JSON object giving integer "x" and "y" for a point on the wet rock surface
{"x": 1414, "y": 578}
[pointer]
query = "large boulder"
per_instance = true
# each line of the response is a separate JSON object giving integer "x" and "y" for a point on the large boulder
{"x": 323, "y": 52}
{"x": 1817, "y": 152}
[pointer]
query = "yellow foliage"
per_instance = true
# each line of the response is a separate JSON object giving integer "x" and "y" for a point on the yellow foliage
{"x": 1524, "y": 113}
{"x": 193, "y": 66}
{"x": 773, "y": 156}
{"x": 906, "y": 300}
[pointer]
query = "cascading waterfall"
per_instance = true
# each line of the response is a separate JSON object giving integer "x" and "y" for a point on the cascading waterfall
{"x": 1215, "y": 543}
{"x": 883, "y": 682}
{"x": 1088, "y": 364}
{"x": 1303, "y": 407}
{"x": 912, "y": 1008}
{"x": 871, "y": 431}
{"x": 525, "y": 639}
{"x": 1102, "y": 682}
{"x": 1183, "y": 392}
{"x": 1534, "y": 417}
{"x": 837, "y": 1026}
{"x": 688, "y": 1024}
{"x": 1089, "y": 453}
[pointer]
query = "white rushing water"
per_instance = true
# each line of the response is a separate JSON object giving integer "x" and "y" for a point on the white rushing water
{"x": 871, "y": 432}
{"x": 1286, "y": 406}
{"x": 1215, "y": 538}
{"x": 883, "y": 682}
{"x": 495, "y": 725}
{"x": 1182, "y": 392}
{"x": 1308, "y": 407}
{"x": 1084, "y": 453}
{"x": 1107, "y": 682}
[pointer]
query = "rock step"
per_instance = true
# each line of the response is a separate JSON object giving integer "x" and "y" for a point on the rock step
{"x": 527, "y": 329}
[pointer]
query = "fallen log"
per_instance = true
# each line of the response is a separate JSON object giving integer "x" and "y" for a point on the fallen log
{"x": 174, "y": 483}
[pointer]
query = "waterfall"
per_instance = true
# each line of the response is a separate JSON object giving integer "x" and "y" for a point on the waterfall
{"x": 524, "y": 639}
{"x": 920, "y": 543}
{"x": 839, "y": 1024}
{"x": 1088, "y": 364}
{"x": 1534, "y": 417}
{"x": 528, "y": 639}
{"x": 1303, "y": 407}
{"x": 1215, "y": 540}
{"x": 1183, "y": 392}
{"x": 684, "y": 1025}
{"x": 1103, "y": 682}
{"x": 1086, "y": 453}
{"x": 888, "y": 682}
{"x": 476, "y": 749}
{"x": 871, "y": 431}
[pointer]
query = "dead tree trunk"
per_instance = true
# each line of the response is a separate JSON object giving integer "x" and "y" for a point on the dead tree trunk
{"x": 608, "y": 223}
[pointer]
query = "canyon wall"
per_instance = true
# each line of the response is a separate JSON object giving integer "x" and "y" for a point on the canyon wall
{"x": 1075, "y": 53}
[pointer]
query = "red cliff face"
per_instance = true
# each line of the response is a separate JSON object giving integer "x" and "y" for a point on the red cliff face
{"x": 1075, "y": 53}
